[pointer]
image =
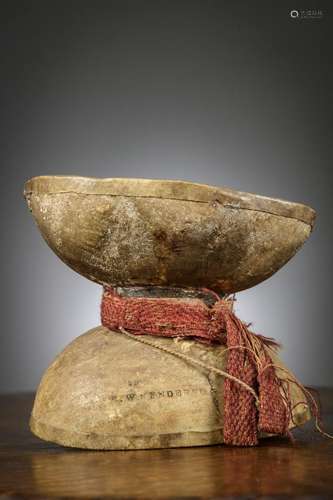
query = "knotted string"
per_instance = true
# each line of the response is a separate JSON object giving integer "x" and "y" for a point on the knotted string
{"x": 256, "y": 399}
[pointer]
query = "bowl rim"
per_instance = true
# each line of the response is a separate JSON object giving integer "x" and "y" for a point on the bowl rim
{"x": 170, "y": 189}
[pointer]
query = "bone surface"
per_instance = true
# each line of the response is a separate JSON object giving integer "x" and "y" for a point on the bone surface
{"x": 109, "y": 391}
{"x": 145, "y": 232}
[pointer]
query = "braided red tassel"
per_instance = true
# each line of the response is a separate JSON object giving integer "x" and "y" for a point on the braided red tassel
{"x": 248, "y": 357}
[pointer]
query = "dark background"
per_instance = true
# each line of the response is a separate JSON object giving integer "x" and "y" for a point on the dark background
{"x": 226, "y": 93}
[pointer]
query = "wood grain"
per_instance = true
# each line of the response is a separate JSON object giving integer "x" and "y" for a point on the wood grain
{"x": 32, "y": 468}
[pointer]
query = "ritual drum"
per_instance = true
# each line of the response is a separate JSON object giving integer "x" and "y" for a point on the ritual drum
{"x": 171, "y": 364}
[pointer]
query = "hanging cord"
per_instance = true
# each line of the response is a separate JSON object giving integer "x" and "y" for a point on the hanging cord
{"x": 192, "y": 361}
{"x": 255, "y": 397}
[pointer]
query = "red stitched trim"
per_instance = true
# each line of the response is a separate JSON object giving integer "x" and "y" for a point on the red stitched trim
{"x": 192, "y": 318}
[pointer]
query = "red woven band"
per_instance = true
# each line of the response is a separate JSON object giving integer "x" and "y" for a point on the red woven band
{"x": 248, "y": 359}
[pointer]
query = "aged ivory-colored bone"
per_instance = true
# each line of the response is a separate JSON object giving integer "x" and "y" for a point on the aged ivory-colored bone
{"x": 109, "y": 391}
{"x": 175, "y": 233}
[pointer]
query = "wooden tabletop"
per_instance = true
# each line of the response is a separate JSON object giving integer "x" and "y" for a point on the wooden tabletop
{"x": 32, "y": 468}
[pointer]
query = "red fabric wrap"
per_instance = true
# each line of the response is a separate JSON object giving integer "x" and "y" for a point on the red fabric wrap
{"x": 192, "y": 318}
